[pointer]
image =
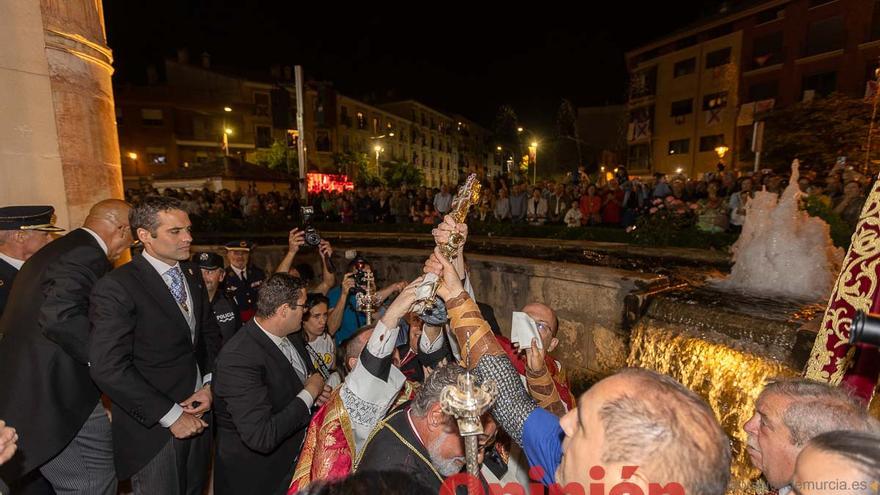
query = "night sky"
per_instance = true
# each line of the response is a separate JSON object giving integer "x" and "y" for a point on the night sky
{"x": 464, "y": 58}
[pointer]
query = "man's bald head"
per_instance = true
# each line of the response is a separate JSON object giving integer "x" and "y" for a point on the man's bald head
{"x": 114, "y": 210}
{"x": 548, "y": 323}
{"x": 109, "y": 219}
{"x": 355, "y": 345}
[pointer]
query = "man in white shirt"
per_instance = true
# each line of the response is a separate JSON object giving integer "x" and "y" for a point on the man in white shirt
{"x": 153, "y": 345}
{"x": 443, "y": 200}
{"x": 266, "y": 386}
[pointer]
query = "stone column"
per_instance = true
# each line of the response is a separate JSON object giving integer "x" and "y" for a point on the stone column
{"x": 58, "y": 141}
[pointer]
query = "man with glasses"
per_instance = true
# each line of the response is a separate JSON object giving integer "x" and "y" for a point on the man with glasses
{"x": 265, "y": 385}
{"x": 48, "y": 396}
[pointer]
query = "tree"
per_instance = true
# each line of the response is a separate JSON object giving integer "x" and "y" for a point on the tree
{"x": 506, "y": 134}
{"x": 568, "y": 152}
{"x": 817, "y": 132}
{"x": 278, "y": 156}
{"x": 350, "y": 163}
{"x": 397, "y": 173}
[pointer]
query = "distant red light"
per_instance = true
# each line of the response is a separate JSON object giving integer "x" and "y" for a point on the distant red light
{"x": 317, "y": 183}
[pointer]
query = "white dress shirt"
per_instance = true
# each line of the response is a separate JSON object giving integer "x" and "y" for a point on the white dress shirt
{"x": 296, "y": 361}
{"x": 162, "y": 268}
{"x": 15, "y": 262}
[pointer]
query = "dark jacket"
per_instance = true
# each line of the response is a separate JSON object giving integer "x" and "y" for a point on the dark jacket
{"x": 143, "y": 356}
{"x": 226, "y": 314}
{"x": 260, "y": 421}
{"x": 244, "y": 292}
{"x": 47, "y": 393}
{"x": 7, "y": 275}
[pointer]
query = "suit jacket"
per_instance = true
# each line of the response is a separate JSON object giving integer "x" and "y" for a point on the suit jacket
{"x": 260, "y": 421}
{"x": 143, "y": 356}
{"x": 555, "y": 202}
{"x": 47, "y": 393}
{"x": 7, "y": 275}
{"x": 244, "y": 292}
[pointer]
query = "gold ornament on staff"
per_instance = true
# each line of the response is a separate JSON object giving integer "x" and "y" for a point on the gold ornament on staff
{"x": 467, "y": 196}
{"x": 366, "y": 301}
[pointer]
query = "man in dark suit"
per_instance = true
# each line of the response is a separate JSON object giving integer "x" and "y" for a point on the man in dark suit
{"x": 23, "y": 231}
{"x": 48, "y": 395}
{"x": 265, "y": 386}
{"x": 242, "y": 279}
{"x": 154, "y": 341}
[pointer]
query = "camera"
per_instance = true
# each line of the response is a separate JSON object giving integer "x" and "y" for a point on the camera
{"x": 312, "y": 237}
{"x": 865, "y": 329}
{"x": 360, "y": 276}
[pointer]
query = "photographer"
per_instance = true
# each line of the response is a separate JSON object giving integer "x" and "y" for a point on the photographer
{"x": 295, "y": 240}
{"x": 345, "y": 319}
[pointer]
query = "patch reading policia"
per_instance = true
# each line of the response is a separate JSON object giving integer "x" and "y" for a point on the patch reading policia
{"x": 28, "y": 218}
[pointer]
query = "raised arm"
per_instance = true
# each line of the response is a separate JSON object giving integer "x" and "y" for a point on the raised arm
{"x": 334, "y": 321}
{"x": 485, "y": 355}
{"x": 295, "y": 239}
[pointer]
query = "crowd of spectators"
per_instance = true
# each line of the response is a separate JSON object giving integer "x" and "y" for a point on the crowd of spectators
{"x": 715, "y": 201}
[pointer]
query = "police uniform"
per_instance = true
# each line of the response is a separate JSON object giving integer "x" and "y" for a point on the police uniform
{"x": 243, "y": 291}
{"x": 224, "y": 310}
{"x": 20, "y": 218}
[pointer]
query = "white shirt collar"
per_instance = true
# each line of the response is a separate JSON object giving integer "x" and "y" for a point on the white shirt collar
{"x": 98, "y": 239}
{"x": 271, "y": 335}
{"x": 15, "y": 262}
{"x": 158, "y": 265}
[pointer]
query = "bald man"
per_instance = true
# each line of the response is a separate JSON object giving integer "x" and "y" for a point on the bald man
{"x": 48, "y": 396}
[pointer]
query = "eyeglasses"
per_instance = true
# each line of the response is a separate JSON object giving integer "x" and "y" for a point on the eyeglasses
{"x": 543, "y": 327}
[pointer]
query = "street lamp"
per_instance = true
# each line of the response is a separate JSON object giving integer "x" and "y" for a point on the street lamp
{"x": 226, "y": 131}
{"x": 132, "y": 155}
{"x": 533, "y": 155}
{"x": 378, "y": 150}
{"x": 721, "y": 150}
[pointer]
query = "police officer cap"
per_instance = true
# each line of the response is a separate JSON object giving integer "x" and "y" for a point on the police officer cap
{"x": 208, "y": 261}
{"x": 241, "y": 245}
{"x": 28, "y": 218}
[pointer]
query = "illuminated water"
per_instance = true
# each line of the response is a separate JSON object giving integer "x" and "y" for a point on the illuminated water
{"x": 783, "y": 251}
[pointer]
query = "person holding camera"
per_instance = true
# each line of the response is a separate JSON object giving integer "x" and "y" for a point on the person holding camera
{"x": 346, "y": 318}
{"x": 295, "y": 240}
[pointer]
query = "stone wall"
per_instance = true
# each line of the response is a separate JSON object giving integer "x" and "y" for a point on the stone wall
{"x": 58, "y": 142}
{"x": 588, "y": 300}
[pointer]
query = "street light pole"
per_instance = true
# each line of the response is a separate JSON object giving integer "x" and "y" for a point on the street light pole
{"x": 533, "y": 156}
{"x": 226, "y": 131}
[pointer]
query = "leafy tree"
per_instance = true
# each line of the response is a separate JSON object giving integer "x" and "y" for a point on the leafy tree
{"x": 818, "y": 131}
{"x": 278, "y": 156}
{"x": 505, "y": 132}
{"x": 397, "y": 173}
{"x": 350, "y": 163}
